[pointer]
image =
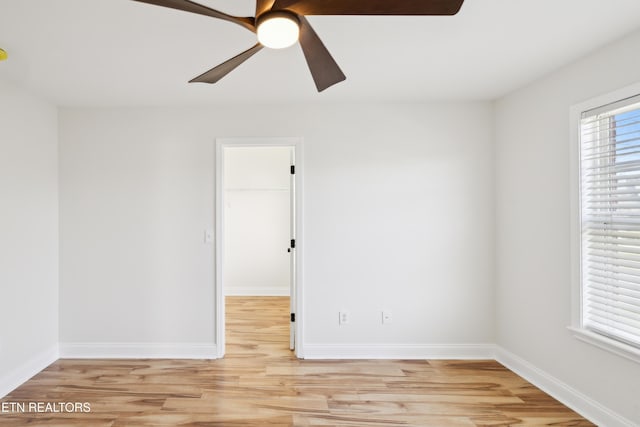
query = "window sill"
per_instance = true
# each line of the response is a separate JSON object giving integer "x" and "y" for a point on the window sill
{"x": 607, "y": 344}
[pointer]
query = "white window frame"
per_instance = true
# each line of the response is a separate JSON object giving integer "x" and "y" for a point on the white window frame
{"x": 576, "y": 327}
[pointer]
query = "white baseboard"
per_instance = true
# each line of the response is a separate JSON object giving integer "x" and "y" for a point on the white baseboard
{"x": 117, "y": 350}
{"x": 567, "y": 395}
{"x": 399, "y": 351}
{"x": 28, "y": 369}
{"x": 257, "y": 291}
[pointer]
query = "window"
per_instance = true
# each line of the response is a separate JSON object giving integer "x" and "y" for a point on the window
{"x": 609, "y": 205}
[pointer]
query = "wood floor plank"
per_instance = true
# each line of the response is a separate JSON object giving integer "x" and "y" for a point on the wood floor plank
{"x": 261, "y": 383}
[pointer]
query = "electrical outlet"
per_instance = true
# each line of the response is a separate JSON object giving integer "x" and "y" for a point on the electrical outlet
{"x": 343, "y": 317}
{"x": 387, "y": 317}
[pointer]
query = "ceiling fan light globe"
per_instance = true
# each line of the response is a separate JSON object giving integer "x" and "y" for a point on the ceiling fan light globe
{"x": 278, "y": 32}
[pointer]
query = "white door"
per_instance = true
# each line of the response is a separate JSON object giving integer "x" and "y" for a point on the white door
{"x": 292, "y": 254}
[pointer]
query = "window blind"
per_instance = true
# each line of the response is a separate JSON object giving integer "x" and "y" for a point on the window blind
{"x": 610, "y": 220}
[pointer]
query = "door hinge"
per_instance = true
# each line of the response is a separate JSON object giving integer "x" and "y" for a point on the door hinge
{"x": 293, "y": 317}
{"x": 293, "y": 243}
{"x": 293, "y": 169}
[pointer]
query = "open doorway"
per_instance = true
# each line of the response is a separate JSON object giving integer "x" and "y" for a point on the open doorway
{"x": 258, "y": 226}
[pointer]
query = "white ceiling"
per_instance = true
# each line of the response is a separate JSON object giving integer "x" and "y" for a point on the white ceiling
{"x": 125, "y": 53}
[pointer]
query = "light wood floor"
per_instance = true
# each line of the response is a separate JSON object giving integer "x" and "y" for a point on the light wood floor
{"x": 260, "y": 383}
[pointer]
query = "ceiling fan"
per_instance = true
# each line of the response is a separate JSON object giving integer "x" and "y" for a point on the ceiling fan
{"x": 280, "y": 23}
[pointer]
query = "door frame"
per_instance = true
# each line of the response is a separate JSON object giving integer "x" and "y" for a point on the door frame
{"x": 221, "y": 144}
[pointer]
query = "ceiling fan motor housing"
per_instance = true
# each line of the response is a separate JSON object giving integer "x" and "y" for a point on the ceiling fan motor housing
{"x": 277, "y": 14}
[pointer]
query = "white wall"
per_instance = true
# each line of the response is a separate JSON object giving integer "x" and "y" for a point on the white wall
{"x": 28, "y": 235}
{"x": 256, "y": 212}
{"x": 533, "y": 246}
{"x": 398, "y": 216}
{"x": 136, "y": 196}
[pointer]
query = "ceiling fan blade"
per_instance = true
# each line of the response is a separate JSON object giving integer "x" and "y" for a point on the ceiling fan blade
{"x": 324, "y": 69}
{"x": 189, "y": 6}
{"x": 263, "y": 6}
{"x": 218, "y": 72}
{"x": 370, "y": 7}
